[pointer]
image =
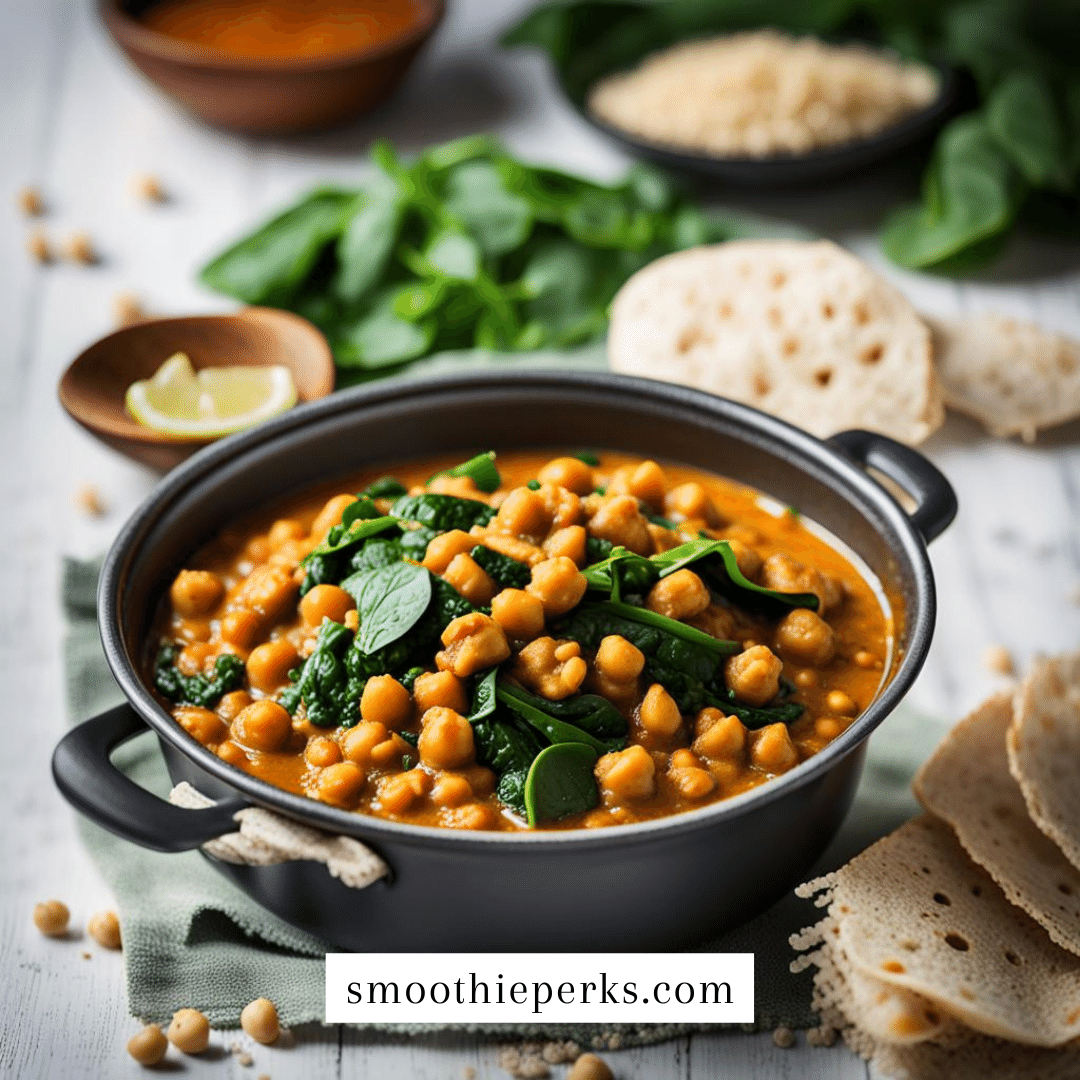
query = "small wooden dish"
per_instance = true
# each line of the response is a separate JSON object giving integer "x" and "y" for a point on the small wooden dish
{"x": 92, "y": 389}
{"x": 266, "y": 96}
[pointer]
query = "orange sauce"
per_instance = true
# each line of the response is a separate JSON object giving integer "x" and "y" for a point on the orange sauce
{"x": 280, "y": 29}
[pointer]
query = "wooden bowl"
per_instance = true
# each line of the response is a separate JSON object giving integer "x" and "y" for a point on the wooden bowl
{"x": 268, "y": 96}
{"x": 93, "y": 387}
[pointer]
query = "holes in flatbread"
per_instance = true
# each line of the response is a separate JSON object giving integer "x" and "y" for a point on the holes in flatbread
{"x": 823, "y": 377}
{"x": 932, "y": 1016}
{"x": 775, "y": 316}
{"x": 778, "y": 278}
{"x": 827, "y": 310}
{"x": 872, "y": 353}
{"x": 957, "y": 942}
{"x": 893, "y": 966}
{"x": 1066, "y": 363}
{"x": 790, "y": 346}
{"x": 941, "y": 898}
{"x": 724, "y": 310}
{"x": 691, "y": 336}
{"x": 976, "y": 890}
{"x": 1065, "y": 888}
{"x": 861, "y": 314}
{"x": 966, "y": 994}
{"x": 745, "y": 269}
{"x": 762, "y": 386}
{"x": 1013, "y": 958}
{"x": 909, "y": 945}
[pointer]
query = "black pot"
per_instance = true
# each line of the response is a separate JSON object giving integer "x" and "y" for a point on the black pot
{"x": 655, "y": 885}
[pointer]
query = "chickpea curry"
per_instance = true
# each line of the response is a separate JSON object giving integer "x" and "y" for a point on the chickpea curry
{"x": 581, "y": 641}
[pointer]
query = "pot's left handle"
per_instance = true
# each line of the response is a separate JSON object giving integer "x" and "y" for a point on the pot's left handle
{"x": 89, "y": 780}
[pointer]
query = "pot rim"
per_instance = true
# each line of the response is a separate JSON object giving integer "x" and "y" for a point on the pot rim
{"x": 919, "y": 619}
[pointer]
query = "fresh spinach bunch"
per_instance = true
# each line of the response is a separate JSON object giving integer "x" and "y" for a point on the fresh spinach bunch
{"x": 464, "y": 247}
{"x": 202, "y": 690}
{"x": 1014, "y": 152}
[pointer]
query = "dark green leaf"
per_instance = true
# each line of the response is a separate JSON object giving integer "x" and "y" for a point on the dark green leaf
{"x": 202, "y": 690}
{"x": 589, "y": 712}
{"x": 560, "y": 782}
{"x": 365, "y": 245}
{"x": 484, "y": 701}
{"x": 391, "y": 601}
{"x": 356, "y": 533}
{"x": 499, "y": 219}
{"x": 508, "y": 573}
{"x": 386, "y": 487}
{"x": 453, "y": 255}
{"x": 383, "y": 338}
{"x": 330, "y": 693}
{"x": 588, "y": 457}
{"x": 508, "y": 746}
{"x": 480, "y": 469}
{"x": 553, "y": 729}
{"x": 442, "y": 512}
{"x": 1021, "y": 116}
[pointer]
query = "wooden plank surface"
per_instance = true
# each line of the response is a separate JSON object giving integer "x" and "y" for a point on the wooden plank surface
{"x": 81, "y": 124}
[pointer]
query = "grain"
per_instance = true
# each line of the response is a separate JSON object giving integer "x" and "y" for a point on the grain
{"x": 762, "y": 93}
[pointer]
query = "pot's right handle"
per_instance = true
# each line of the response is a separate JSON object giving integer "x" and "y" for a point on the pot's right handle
{"x": 89, "y": 780}
{"x": 935, "y": 500}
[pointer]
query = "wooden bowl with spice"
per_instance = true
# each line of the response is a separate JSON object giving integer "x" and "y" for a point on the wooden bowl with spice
{"x": 93, "y": 389}
{"x": 273, "y": 66}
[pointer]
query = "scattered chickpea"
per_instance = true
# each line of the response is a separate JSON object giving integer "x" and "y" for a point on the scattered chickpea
{"x": 753, "y": 675}
{"x": 38, "y": 247}
{"x": 263, "y": 725}
{"x": 104, "y": 928}
{"x": 719, "y": 737}
{"x": 772, "y": 749}
{"x": 866, "y": 659}
{"x": 784, "y": 1038}
{"x": 659, "y": 715}
{"x": 806, "y": 679}
{"x": 446, "y": 739}
{"x": 471, "y": 580}
{"x": 322, "y": 752}
{"x": 341, "y": 784}
{"x": 80, "y": 248}
{"x": 558, "y": 585}
{"x": 590, "y": 1067}
{"x": 195, "y": 592}
{"x": 189, "y": 1031}
{"x": 259, "y": 1019}
{"x": 31, "y": 202}
{"x": 127, "y": 309}
{"x": 385, "y": 701}
{"x": 148, "y": 1046}
{"x": 88, "y": 499}
{"x": 627, "y": 774}
{"x": 806, "y": 638}
{"x": 149, "y": 188}
{"x": 519, "y": 613}
{"x": 827, "y": 727}
{"x": 839, "y": 702}
{"x": 996, "y": 659}
{"x": 552, "y": 669}
{"x": 325, "y": 602}
{"x": 568, "y": 472}
{"x": 472, "y": 643}
{"x": 51, "y": 918}
{"x": 619, "y": 520}
{"x": 619, "y": 660}
{"x": 435, "y": 688}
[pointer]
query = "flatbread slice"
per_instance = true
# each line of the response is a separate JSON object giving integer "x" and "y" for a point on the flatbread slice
{"x": 913, "y": 911}
{"x": 967, "y": 784}
{"x": 1011, "y": 376}
{"x": 801, "y": 329}
{"x": 1044, "y": 749}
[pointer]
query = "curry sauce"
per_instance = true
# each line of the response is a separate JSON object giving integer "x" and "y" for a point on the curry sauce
{"x": 618, "y": 687}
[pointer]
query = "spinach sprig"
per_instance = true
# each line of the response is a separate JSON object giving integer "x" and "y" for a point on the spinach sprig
{"x": 202, "y": 690}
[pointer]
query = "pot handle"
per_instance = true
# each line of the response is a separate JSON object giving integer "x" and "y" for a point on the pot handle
{"x": 89, "y": 780}
{"x": 934, "y": 497}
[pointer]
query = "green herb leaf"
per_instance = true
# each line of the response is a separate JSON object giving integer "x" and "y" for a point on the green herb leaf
{"x": 382, "y": 338}
{"x": 367, "y": 242}
{"x": 391, "y": 601}
{"x": 453, "y": 255}
{"x": 1021, "y": 115}
{"x": 588, "y": 457}
{"x": 496, "y": 217}
{"x": 508, "y": 573}
{"x": 480, "y": 469}
{"x": 508, "y": 746}
{"x": 553, "y": 729}
{"x": 442, "y": 512}
{"x": 204, "y": 691}
{"x": 560, "y": 782}
{"x": 330, "y": 693}
{"x": 589, "y": 712}
{"x": 484, "y": 700}
{"x": 386, "y": 487}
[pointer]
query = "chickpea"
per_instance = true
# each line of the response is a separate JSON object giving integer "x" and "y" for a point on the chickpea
{"x": 618, "y": 660}
{"x": 290, "y": 554}
{"x": 443, "y": 688}
{"x": 646, "y": 482}
{"x": 558, "y": 585}
{"x": 231, "y": 704}
{"x": 626, "y": 775}
{"x": 269, "y": 664}
{"x": 51, "y": 918}
{"x": 746, "y": 558}
{"x": 240, "y": 627}
{"x": 785, "y": 574}
{"x": 471, "y": 580}
{"x": 771, "y": 749}
{"x": 385, "y": 701}
{"x": 568, "y": 472}
{"x": 663, "y": 539}
{"x": 189, "y": 1031}
{"x": 390, "y": 752}
{"x": 866, "y": 659}
{"x": 195, "y": 592}
{"x": 551, "y": 669}
{"x": 282, "y": 531}
{"x": 263, "y": 725}
{"x": 719, "y": 737}
{"x": 473, "y": 642}
{"x": 523, "y": 513}
{"x": 259, "y": 1019}
{"x": 806, "y": 638}
{"x": 268, "y": 590}
{"x": 359, "y": 741}
{"x": 684, "y": 759}
{"x": 658, "y": 714}
{"x": 590, "y": 1067}
{"x": 196, "y": 658}
{"x": 690, "y": 500}
{"x": 325, "y": 602}
{"x": 563, "y": 507}
{"x": 444, "y": 548}
{"x": 341, "y": 784}
{"x": 232, "y": 754}
{"x": 104, "y": 928}
{"x": 398, "y": 793}
{"x": 474, "y": 816}
{"x": 620, "y": 521}
{"x": 148, "y": 1046}
{"x": 692, "y": 782}
{"x": 681, "y": 595}
{"x": 451, "y": 790}
{"x": 481, "y": 779}
{"x": 513, "y": 548}
{"x": 322, "y": 752}
{"x": 462, "y": 487}
{"x": 806, "y": 679}
{"x": 519, "y": 613}
{"x": 257, "y": 549}
{"x": 446, "y": 739}
{"x": 201, "y": 724}
{"x": 827, "y": 727}
{"x": 568, "y": 543}
{"x": 839, "y": 702}
{"x": 330, "y": 515}
{"x": 753, "y": 676}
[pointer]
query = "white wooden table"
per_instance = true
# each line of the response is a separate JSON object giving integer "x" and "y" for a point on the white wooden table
{"x": 79, "y": 123}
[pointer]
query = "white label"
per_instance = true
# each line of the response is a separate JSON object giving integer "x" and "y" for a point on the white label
{"x": 557, "y": 988}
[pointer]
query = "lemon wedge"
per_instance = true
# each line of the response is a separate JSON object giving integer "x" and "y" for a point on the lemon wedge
{"x": 179, "y": 401}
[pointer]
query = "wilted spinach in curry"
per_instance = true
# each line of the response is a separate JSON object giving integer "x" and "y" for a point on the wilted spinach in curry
{"x": 522, "y": 643}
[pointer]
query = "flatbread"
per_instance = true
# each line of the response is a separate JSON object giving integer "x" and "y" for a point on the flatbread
{"x": 1011, "y": 376}
{"x": 967, "y": 783}
{"x": 913, "y": 911}
{"x": 801, "y": 329}
{"x": 1044, "y": 749}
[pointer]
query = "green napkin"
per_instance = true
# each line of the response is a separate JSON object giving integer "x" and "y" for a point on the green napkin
{"x": 193, "y": 939}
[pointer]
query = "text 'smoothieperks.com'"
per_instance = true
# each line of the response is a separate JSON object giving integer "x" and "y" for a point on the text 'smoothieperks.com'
{"x": 514, "y": 988}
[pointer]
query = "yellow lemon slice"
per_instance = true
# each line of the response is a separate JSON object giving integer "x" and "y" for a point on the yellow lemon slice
{"x": 179, "y": 401}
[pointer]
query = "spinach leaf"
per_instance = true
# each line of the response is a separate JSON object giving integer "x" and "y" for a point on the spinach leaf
{"x": 386, "y": 487}
{"x": 480, "y": 469}
{"x": 498, "y": 218}
{"x": 507, "y": 746}
{"x": 202, "y": 690}
{"x": 1021, "y": 116}
{"x": 553, "y": 729}
{"x": 597, "y": 549}
{"x": 390, "y": 600}
{"x": 367, "y": 241}
{"x": 268, "y": 266}
{"x": 621, "y": 570}
{"x": 779, "y": 712}
{"x": 588, "y": 457}
{"x": 670, "y": 627}
{"x": 560, "y": 782}
{"x": 381, "y": 337}
{"x": 360, "y": 527}
{"x": 589, "y": 712}
{"x": 331, "y": 561}
{"x": 329, "y": 691}
{"x": 442, "y": 512}
{"x": 451, "y": 254}
{"x": 484, "y": 701}
{"x": 508, "y": 573}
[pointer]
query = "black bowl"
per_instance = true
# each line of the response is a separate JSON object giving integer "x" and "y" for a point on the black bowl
{"x": 657, "y": 884}
{"x": 796, "y": 170}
